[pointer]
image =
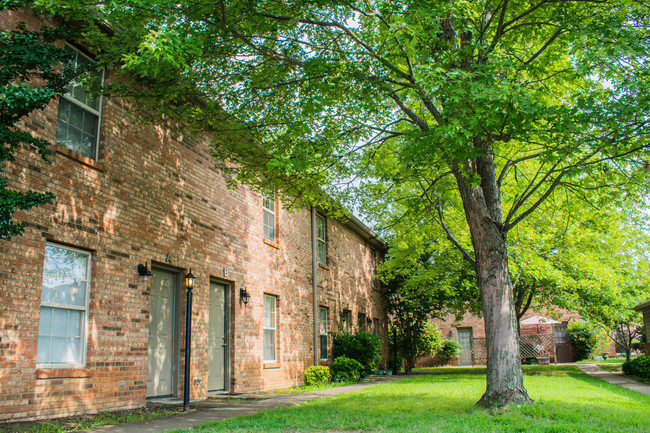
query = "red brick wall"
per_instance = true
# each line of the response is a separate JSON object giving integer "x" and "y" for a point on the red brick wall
{"x": 156, "y": 197}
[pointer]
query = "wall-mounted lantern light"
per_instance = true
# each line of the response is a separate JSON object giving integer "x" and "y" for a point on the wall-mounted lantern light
{"x": 144, "y": 271}
{"x": 244, "y": 296}
{"x": 451, "y": 333}
{"x": 369, "y": 321}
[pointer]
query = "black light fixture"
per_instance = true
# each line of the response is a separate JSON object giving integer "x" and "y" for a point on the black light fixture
{"x": 244, "y": 296}
{"x": 189, "y": 285}
{"x": 369, "y": 321}
{"x": 451, "y": 333}
{"x": 143, "y": 270}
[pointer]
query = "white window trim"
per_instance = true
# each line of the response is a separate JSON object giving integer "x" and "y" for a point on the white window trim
{"x": 80, "y": 104}
{"x": 322, "y": 240}
{"x": 321, "y": 333}
{"x": 273, "y": 212}
{"x": 274, "y": 329}
{"x": 85, "y": 308}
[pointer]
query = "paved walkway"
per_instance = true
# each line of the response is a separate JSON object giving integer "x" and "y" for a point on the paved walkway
{"x": 223, "y": 407}
{"x": 616, "y": 379}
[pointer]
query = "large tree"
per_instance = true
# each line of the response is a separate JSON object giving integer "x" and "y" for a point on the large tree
{"x": 450, "y": 96}
{"x": 31, "y": 75}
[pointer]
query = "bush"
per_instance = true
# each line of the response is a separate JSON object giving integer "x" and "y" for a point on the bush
{"x": 584, "y": 339}
{"x": 638, "y": 367}
{"x": 344, "y": 368}
{"x": 449, "y": 349}
{"x": 317, "y": 375}
{"x": 362, "y": 346}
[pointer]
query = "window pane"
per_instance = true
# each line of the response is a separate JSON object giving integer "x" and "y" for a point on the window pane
{"x": 57, "y": 350}
{"x": 43, "y": 350}
{"x": 322, "y": 256}
{"x": 269, "y": 345}
{"x": 269, "y": 312}
{"x": 59, "y": 321}
{"x": 323, "y": 347}
{"x": 45, "y": 321}
{"x": 74, "y": 323}
{"x": 72, "y": 352}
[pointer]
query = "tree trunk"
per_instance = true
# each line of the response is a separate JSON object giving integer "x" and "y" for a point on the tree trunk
{"x": 483, "y": 213}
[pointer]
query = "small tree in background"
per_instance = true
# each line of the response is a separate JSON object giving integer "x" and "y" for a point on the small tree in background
{"x": 584, "y": 339}
{"x": 449, "y": 349}
{"x": 624, "y": 333}
{"x": 363, "y": 347}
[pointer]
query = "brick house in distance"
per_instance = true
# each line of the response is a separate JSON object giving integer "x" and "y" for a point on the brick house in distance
{"x": 472, "y": 327}
{"x": 92, "y": 307}
{"x": 644, "y": 308}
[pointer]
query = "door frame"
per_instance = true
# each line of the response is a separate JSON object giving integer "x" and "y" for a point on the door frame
{"x": 228, "y": 352}
{"x": 178, "y": 280}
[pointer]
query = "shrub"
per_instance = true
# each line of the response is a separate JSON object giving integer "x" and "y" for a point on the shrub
{"x": 362, "y": 346}
{"x": 449, "y": 349}
{"x": 316, "y": 375}
{"x": 584, "y": 339}
{"x": 638, "y": 367}
{"x": 344, "y": 368}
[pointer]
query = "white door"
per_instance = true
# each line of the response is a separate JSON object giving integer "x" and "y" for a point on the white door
{"x": 217, "y": 338}
{"x": 465, "y": 340}
{"x": 161, "y": 334}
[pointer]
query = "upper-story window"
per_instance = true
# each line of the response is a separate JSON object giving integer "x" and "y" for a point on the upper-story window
{"x": 77, "y": 124}
{"x": 270, "y": 218}
{"x": 322, "y": 332}
{"x": 64, "y": 307}
{"x": 373, "y": 266}
{"x": 322, "y": 245}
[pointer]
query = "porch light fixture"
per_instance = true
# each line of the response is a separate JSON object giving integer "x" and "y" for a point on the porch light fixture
{"x": 369, "y": 321}
{"x": 143, "y": 270}
{"x": 451, "y": 333}
{"x": 244, "y": 296}
{"x": 189, "y": 280}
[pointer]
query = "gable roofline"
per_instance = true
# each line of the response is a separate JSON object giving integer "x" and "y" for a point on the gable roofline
{"x": 365, "y": 232}
{"x": 642, "y": 306}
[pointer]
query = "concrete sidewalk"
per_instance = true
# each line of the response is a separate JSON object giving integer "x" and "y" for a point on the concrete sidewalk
{"x": 223, "y": 407}
{"x": 616, "y": 379}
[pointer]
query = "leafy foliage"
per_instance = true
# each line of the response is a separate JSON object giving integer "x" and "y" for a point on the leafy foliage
{"x": 487, "y": 109}
{"x": 449, "y": 349}
{"x": 584, "y": 338}
{"x": 638, "y": 367}
{"x": 363, "y": 347}
{"x": 317, "y": 375}
{"x": 31, "y": 75}
{"x": 344, "y": 368}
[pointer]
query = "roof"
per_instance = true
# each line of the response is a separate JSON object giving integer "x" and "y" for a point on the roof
{"x": 642, "y": 306}
{"x": 538, "y": 320}
{"x": 365, "y": 232}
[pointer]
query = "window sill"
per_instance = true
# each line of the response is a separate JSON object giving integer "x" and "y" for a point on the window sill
{"x": 272, "y": 244}
{"x": 322, "y": 266}
{"x": 79, "y": 157}
{"x": 271, "y": 364}
{"x": 59, "y": 373}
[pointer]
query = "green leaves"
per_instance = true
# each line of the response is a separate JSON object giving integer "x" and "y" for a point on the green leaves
{"x": 32, "y": 73}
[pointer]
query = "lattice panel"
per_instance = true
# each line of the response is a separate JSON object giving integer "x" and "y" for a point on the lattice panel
{"x": 530, "y": 346}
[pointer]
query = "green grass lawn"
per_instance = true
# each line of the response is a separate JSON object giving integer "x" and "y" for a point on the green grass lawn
{"x": 566, "y": 400}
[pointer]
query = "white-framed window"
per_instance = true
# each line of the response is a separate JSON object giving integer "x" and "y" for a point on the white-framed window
{"x": 64, "y": 307}
{"x": 79, "y": 116}
{"x": 269, "y": 214}
{"x": 270, "y": 328}
{"x": 322, "y": 239}
{"x": 322, "y": 331}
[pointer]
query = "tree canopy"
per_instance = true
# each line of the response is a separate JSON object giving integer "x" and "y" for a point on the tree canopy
{"x": 407, "y": 106}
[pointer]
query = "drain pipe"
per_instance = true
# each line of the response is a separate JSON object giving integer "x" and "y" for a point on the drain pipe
{"x": 314, "y": 279}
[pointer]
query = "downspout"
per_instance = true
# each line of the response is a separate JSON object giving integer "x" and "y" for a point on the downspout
{"x": 314, "y": 279}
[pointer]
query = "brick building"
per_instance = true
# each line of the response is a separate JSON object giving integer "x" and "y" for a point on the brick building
{"x": 644, "y": 308}
{"x": 471, "y": 327}
{"x": 84, "y": 328}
